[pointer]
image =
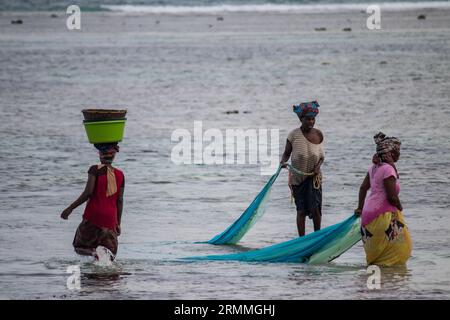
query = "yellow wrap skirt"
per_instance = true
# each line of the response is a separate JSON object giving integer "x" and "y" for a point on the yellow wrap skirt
{"x": 387, "y": 241}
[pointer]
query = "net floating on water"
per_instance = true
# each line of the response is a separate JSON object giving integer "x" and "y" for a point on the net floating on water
{"x": 322, "y": 246}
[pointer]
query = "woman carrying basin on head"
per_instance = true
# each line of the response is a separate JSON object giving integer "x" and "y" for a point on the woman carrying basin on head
{"x": 104, "y": 192}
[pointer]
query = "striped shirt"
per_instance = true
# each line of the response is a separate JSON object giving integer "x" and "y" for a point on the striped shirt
{"x": 305, "y": 154}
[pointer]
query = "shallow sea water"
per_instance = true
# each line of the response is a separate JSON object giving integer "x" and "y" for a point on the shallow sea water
{"x": 171, "y": 70}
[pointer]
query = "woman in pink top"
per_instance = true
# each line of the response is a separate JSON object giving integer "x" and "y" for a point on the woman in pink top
{"x": 384, "y": 232}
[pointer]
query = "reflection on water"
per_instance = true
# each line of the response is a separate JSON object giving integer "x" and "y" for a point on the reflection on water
{"x": 395, "y": 282}
{"x": 102, "y": 279}
{"x": 395, "y": 277}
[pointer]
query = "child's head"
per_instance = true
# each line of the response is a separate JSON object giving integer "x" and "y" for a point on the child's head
{"x": 107, "y": 152}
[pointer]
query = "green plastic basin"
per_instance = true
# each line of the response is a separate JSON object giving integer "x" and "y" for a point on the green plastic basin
{"x": 105, "y": 131}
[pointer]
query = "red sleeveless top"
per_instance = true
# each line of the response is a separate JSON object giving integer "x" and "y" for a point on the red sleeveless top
{"x": 100, "y": 209}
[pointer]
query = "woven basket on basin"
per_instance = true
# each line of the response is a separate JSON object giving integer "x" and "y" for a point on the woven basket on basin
{"x": 103, "y": 114}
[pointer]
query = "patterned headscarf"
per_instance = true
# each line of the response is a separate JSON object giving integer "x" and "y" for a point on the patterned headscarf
{"x": 307, "y": 109}
{"x": 107, "y": 147}
{"x": 386, "y": 144}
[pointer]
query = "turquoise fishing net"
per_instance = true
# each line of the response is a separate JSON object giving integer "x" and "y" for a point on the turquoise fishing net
{"x": 318, "y": 247}
{"x": 255, "y": 210}
{"x": 350, "y": 236}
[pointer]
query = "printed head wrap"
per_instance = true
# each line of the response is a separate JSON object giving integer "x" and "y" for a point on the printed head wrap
{"x": 386, "y": 144}
{"x": 112, "y": 147}
{"x": 307, "y": 109}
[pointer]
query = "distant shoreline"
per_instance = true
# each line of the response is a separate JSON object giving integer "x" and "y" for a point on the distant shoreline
{"x": 241, "y": 8}
{"x": 276, "y": 8}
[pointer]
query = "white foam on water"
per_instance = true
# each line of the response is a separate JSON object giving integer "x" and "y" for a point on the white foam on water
{"x": 105, "y": 257}
{"x": 274, "y": 8}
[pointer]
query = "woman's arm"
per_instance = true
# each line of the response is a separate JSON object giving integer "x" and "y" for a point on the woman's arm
{"x": 287, "y": 153}
{"x": 88, "y": 190}
{"x": 389, "y": 186}
{"x": 120, "y": 207}
{"x": 365, "y": 186}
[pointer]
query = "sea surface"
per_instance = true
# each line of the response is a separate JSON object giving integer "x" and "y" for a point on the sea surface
{"x": 169, "y": 70}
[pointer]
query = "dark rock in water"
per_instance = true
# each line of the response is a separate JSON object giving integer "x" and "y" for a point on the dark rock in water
{"x": 232, "y": 112}
{"x": 18, "y": 21}
{"x": 325, "y": 63}
{"x": 383, "y": 62}
{"x": 422, "y": 17}
{"x": 53, "y": 15}
{"x": 347, "y": 29}
{"x": 320, "y": 29}
{"x": 219, "y": 18}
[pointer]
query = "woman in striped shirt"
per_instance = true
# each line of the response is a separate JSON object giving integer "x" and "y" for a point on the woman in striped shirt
{"x": 304, "y": 146}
